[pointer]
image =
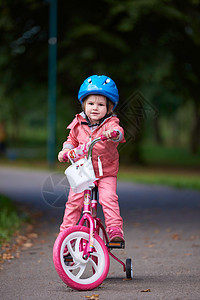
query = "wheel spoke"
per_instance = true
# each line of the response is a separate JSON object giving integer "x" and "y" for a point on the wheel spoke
{"x": 82, "y": 269}
{"x": 65, "y": 253}
{"x": 95, "y": 254}
{"x": 77, "y": 243}
{"x": 74, "y": 267}
{"x": 94, "y": 264}
{"x": 75, "y": 252}
{"x": 70, "y": 249}
{"x": 80, "y": 272}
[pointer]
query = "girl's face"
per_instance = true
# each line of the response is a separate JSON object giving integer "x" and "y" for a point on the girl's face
{"x": 95, "y": 108}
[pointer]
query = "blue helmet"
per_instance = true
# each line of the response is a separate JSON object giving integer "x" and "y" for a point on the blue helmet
{"x": 99, "y": 85}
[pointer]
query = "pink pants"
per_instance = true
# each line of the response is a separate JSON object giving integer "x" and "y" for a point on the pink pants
{"x": 107, "y": 198}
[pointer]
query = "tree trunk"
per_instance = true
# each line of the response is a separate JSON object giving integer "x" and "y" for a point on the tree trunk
{"x": 195, "y": 134}
{"x": 157, "y": 132}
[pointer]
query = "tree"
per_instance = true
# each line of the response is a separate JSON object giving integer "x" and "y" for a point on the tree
{"x": 150, "y": 45}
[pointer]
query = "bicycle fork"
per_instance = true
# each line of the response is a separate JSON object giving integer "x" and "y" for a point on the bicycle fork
{"x": 88, "y": 204}
{"x": 89, "y": 216}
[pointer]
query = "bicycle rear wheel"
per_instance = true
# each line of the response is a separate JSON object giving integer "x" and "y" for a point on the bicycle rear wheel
{"x": 80, "y": 273}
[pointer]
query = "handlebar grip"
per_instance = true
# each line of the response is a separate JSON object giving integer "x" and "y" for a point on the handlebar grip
{"x": 65, "y": 156}
{"x": 113, "y": 135}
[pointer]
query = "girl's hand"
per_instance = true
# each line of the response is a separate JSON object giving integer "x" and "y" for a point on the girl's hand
{"x": 107, "y": 134}
{"x": 61, "y": 154}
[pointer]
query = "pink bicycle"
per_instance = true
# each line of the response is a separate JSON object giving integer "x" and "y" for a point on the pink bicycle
{"x": 81, "y": 253}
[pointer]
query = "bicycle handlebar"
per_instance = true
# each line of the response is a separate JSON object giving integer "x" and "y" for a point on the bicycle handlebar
{"x": 102, "y": 138}
{"x": 113, "y": 135}
{"x": 65, "y": 156}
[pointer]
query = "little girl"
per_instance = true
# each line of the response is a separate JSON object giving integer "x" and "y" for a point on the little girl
{"x": 98, "y": 96}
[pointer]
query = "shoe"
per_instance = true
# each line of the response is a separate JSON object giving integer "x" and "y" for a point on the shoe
{"x": 115, "y": 234}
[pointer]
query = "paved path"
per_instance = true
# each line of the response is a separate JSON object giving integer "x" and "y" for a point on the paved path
{"x": 162, "y": 230}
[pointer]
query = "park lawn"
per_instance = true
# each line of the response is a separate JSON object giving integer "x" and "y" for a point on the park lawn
{"x": 10, "y": 219}
{"x": 171, "y": 166}
{"x": 171, "y": 177}
{"x": 180, "y": 168}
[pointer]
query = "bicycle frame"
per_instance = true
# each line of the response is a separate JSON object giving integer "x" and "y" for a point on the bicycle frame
{"x": 94, "y": 224}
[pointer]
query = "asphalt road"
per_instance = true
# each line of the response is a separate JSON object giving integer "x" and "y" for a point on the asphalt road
{"x": 162, "y": 231}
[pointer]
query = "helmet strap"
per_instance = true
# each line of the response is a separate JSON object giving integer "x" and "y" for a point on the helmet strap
{"x": 107, "y": 104}
{"x": 105, "y": 117}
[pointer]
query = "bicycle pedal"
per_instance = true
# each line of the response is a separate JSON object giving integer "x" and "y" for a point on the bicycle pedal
{"x": 68, "y": 258}
{"x": 116, "y": 245}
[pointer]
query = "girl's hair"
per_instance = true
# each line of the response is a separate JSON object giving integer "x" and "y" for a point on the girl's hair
{"x": 110, "y": 104}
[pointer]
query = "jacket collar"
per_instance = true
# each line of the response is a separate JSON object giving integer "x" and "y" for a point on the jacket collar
{"x": 81, "y": 119}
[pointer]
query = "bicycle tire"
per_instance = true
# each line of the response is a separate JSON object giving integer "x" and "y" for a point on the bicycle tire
{"x": 129, "y": 269}
{"x": 72, "y": 238}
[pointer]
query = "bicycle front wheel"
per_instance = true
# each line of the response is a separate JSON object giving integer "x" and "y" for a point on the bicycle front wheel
{"x": 77, "y": 272}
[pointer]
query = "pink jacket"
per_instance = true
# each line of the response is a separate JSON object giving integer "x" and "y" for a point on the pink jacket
{"x": 106, "y": 151}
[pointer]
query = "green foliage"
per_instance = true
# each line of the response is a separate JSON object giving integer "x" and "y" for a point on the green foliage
{"x": 147, "y": 45}
{"x": 9, "y": 219}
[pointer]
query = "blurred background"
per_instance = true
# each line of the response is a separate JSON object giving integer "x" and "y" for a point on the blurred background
{"x": 150, "y": 48}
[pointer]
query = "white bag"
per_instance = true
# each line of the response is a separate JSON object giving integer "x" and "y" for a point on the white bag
{"x": 81, "y": 175}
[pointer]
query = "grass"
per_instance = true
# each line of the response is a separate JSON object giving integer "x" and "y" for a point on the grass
{"x": 177, "y": 178}
{"x": 171, "y": 166}
{"x": 172, "y": 156}
{"x": 10, "y": 220}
